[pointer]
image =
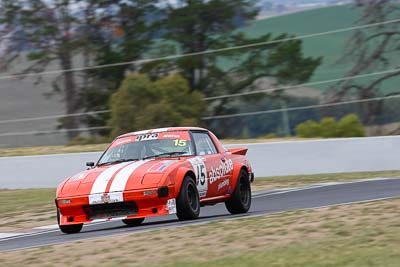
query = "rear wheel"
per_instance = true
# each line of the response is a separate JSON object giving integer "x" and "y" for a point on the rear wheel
{"x": 69, "y": 229}
{"x": 240, "y": 200}
{"x": 188, "y": 201}
{"x": 133, "y": 222}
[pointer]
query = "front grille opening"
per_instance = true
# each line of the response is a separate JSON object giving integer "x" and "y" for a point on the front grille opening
{"x": 109, "y": 210}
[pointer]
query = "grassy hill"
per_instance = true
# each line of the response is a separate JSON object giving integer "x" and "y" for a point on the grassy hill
{"x": 330, "y": 47}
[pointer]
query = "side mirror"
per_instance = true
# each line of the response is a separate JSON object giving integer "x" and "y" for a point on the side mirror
{"x": 90, "y": 164}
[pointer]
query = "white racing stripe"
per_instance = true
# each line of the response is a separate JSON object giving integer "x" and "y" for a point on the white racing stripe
{"x": 120, "y": 180}
{"x": 100, "y": 184}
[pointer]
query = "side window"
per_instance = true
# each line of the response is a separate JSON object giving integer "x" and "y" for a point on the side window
{"x": 204, "y": 144}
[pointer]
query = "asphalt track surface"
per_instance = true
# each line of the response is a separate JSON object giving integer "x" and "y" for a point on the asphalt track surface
{"x": 264, "y": 203}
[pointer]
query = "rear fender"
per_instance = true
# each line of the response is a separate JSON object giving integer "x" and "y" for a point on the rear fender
{"x": 236, "y": 171}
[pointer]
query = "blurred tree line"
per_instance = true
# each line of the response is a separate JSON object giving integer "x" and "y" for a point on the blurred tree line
{"x": 348, "y": 126}
{"x": 84, "y": 33}
{"x": 371, "y": 50}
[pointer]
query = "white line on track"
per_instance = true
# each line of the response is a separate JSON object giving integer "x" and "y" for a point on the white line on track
{"x": 6, "y": 235}
{"x": 313, "y": 186}
{"x": 47, "y": 227}
{"x": 44, "y": 232}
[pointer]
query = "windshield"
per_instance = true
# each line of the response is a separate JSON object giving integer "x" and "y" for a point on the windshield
{"x": 145, "y": 146}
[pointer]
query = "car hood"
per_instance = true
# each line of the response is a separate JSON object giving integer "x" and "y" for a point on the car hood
{"x": 117, "y": 177}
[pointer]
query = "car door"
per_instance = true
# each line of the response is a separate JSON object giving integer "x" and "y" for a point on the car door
{"x": 213, "y": 175}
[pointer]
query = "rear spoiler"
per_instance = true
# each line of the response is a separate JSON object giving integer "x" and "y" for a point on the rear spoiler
{"x": 238, "y": 151}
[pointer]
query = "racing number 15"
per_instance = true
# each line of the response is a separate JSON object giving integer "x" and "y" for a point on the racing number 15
{"x": 178, "y": 142}
{"x": 201, "y": 174}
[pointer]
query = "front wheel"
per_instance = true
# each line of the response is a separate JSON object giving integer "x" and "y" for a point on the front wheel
{"x": 69, "y": 229}
{"x": 188, "y": 201}
{"x": 240, "y": 200}
{"x": 133, "y": 222}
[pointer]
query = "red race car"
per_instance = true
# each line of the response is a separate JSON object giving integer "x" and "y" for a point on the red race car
{"x": 153, "y": 173}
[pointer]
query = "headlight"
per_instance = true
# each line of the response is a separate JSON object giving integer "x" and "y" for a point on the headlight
{"x": 64, "y": 201}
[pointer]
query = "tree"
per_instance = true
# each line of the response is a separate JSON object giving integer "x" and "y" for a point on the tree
{"x": 128, "y": 30}
{"x": 371, "y": 50}
{"x": 348, "y": 126}
{"x": 79, "y": 33}
{"x": 141, "y": 104}
{"x": 200, "y": 25}
{"x": 308, "y": 129}
{"x": 47, "y": 28}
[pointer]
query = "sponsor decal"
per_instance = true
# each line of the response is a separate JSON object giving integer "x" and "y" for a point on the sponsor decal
{"x": 171, "y": 136}
{"x": 200, "y": 171}
{"x": 161, "y": 166}
{"x": 223, "y": 169}
{"x": 229, "y": 191}
{"x": 171, "y": 206}
{"x": 146, "y": 137}
{"x": 223, "y": 184}
{"x": 175, "y": 135}
{"x": 105, "y": 198}
{"x": 150, "y": 193}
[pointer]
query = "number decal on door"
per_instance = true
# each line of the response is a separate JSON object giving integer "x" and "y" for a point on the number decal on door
{"x": 201, "y": 174}
{"x": 200, "y": 171}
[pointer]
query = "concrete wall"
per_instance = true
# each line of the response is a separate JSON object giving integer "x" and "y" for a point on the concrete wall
{"x": 267, "y": 159}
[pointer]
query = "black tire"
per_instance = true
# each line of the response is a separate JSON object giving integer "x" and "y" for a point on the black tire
{"x": 133, "y": 222}
{"x": 188, "y": 201}
{"x": 240, "y": 200}
{"x": 69, "y": 229}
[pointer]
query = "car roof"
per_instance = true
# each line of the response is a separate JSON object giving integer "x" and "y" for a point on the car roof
{"x": 159, "y": 130}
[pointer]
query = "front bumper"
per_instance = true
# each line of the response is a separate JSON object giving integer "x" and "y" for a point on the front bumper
{"x": 129, "y": 204}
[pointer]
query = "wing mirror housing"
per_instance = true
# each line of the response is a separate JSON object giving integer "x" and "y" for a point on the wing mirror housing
{"x": 90, "y": 164}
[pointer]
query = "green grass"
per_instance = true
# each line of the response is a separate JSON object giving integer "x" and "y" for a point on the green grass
{"x": 16, "y": 201}
{"x": 330, "y": 252}
{"x": 26, "y": 208}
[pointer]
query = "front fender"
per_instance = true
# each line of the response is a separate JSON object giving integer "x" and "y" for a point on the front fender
{"x": 237, "y": 167}
{"x": 180, "y": 175}
{"x": 61, "y": 186}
